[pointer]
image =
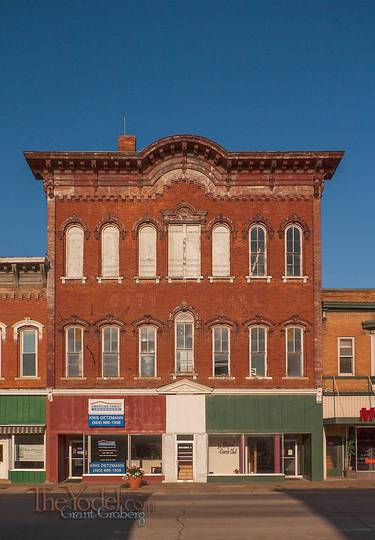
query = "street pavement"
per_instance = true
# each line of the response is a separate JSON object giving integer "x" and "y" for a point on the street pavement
{"x": 252, "y": 514}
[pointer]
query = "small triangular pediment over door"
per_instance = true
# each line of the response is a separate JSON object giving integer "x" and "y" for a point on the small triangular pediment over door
{"x": 184, "y": 387}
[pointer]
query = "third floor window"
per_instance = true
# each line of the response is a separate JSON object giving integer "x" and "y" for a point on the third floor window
{"x": 184, "y": 251}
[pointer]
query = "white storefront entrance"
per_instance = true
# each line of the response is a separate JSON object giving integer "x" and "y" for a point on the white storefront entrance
{"x": 4, "y": 459}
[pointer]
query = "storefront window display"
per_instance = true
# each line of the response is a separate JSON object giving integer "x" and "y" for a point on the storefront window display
{"x": 29, "y": 452}
{"x": 365, "y": 449}
{"x": 146, "y": 453}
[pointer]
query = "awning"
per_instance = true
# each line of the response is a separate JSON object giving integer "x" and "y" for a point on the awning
{"x": 16, "y": 430}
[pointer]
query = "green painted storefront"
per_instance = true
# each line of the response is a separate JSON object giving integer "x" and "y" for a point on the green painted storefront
{"x": 267, "y": 414}
{"x": 24, "y": 410}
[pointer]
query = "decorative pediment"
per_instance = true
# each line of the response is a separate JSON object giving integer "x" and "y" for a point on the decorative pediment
{"x": 221, "y": 220}
{"x": 147, "y": 320}
{"x": 109, "y": 220}
{"x": 259, "y": 320}
{"x": 257, "y": 220}
{"x": 291, "y": 220}
{"x": 107, "y": 321}
{"x": 296, "y": 320}
{"x": 147, "y": 220}
{"x": 222, "y": 320}
{"x": 184, "y": 386}
{"x": 184, "y": 213}
{"x": 73, "y": 320}
{"x": 73, "y": 220}
{"x": 184, "y": 308}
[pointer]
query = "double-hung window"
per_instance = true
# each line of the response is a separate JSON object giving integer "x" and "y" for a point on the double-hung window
{"x": 184, "y": 251}
{"x": 294, "y": 351}
{"x": 293, "y": 251}
{"x": 147, "y": 351}
{"x": 257, "y": 242}
{"x": 220, "y": 251}
{"x": 110, "y": 251}
{"x": 258, "y": 351}
{"x": 221, "y": 348}
{"x": 184, "y": 343}
{"x": 110, "y": 351}
{"x": 346, "y": 356}
{"x": 74, "y": 351}
{"x": 29, "y": 344}
{"x": 147, "y": 251}
{"x": 74, "y": 252}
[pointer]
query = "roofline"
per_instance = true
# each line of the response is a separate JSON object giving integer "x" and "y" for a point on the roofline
{"x": 22, "y": 260}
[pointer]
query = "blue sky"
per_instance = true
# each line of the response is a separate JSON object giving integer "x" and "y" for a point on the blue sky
{"x": 276, "y": 75}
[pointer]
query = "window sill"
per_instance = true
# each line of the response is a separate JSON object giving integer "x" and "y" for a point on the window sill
{"x": 231, "y": 279}
{"x": 198, "y": 279}
{"x": 255, "y": 378}
{"x": 73, "y": 378}
{"x": 30, "y": 378}
{"x": 109, "y": 378}
{"x": 258, "y": 278}
{"x": 137, "y": 279}
{"x": 147, "y": 378}
{"x": 184, "y": 374}
{"x": 221, "y": 378}
{"x": 119, "y": 279}
{"x": 295, "y": 278}
{"x": 64, "y": 279}
{"x": 2, "y": 378}
{"x": 295, "y": 378}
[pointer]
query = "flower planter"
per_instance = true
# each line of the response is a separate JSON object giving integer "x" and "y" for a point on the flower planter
{"x": 134, "y": 482}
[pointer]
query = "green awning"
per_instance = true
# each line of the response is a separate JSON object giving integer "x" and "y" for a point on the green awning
{"x": 21, "y": 430}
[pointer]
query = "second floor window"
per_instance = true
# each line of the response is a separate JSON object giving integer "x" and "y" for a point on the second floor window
{"x": 147, "y": 351}
{"x": 258, "y": 351}
{"x": 294, "y": 352}
{"x": 110, "y": 351}
{"x": 110, "y": 251}
{"x": 184, "y": 251}
{"x": 221, "y": 347}
{"x": 147, "y": 251}
{"x": 346, "y": 356}
{"x": 257, "y": 251}
{"x": 220, "y": 251}
{"x": 293, "y": 251}
{"x": 29, "y": 341}
{"x": 184, "y": 343}
{"x": 74, "y": 252}
{"x": 74, "y": 351}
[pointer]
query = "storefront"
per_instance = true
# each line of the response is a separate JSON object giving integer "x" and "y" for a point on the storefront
{"x": 96, "y": 438}
{"x": 22, "y": 438}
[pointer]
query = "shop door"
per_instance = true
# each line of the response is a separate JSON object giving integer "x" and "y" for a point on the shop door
{"x": 185, "y": 460}
{"x": 75, "y": 458}
{"x": 334, "y": 456}
{"x": 290, "y": 457}
{"x": 4, "y": 460}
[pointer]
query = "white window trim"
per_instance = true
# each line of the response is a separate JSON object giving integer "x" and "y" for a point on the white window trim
{"x": 105, "y": 377}
{"x": 302, "y": 376}
{"x": 251, "y": 275}
{"x": 352, "y": 339}
{"x": 27, "y": 322}
{"x": 67, "y": 376}
{"x": 137, "y": 279}
{"x": 141, "y": 276}
{"x": 301, "y": 276}
{"x": 372, "y": 352}
{"x": 3, "y": 332}
{"x": 213, "y": 277}
{"x": 22, "y": 376}
{"x": 179, "y": 319}
{"x": 67, "y": 277}
{"x": 266, "y": 353}
{"x": 228, "y": 375}
{"x": 100, "y": 279}
{"x": 64, "y": 279}
{"x": 186, "y": 277}
{"x": 140, "y": 352}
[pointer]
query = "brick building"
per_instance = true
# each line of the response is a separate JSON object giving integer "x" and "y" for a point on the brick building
{"x": 183, "y": 311}
{"x": 349, "y": 371}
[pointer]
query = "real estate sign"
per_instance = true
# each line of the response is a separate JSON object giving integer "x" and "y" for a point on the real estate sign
{"x": 106, "y": 413}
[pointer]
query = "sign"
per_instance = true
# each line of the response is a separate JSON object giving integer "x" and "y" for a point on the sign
{"x": 106, "y": 413}
{"x": 30, "y": 452}
{"x": 367, "y": 415}
{"x": 107, "y": 467}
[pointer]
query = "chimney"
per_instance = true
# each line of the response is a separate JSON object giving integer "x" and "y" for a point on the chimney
{"x": 127, "y": 143}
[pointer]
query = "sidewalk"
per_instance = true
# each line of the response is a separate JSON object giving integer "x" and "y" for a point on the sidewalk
{"x": 194, "y": 488}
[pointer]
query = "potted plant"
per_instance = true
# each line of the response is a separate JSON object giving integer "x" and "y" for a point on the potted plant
{"x": 134, "y": 476}
{"x": 350, "y": 456}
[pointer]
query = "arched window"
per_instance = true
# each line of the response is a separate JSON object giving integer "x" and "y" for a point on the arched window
{"x": 221, "y": 350}
{"x": 258, "y": 253}
{"x": 184, "y": 343}
{"x": 147, "y": 251}
{"x": 110, "y": 251}
{"x": 147, "y": 351}
{"x": 294, "y": 351}
{"x": 293, "y": 251}
{"x": 74, "y": 252}
{"x": 258, "y": 351}
{"x": 110, "y": 351}
{"x": 220, "y": 251}
{"x": 74, "y": 351}
{"x": 28, "y": 352}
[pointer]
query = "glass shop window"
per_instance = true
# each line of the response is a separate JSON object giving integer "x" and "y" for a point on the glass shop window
{"x": 146, "y": 453}
{"x": 29, "y": 451}
{"x": 223, "y": 454}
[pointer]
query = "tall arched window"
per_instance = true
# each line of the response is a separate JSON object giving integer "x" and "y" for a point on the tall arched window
{"x": 293, "y": 251}
{"x": 258, "y": 253}
{"x": 110, "y": 351}
{"x": 220, "y": 251}
{"x": 184, "y": 343}
{"x": 74, "y": 351}
{"x": 147, "y": 251}
{"x": 110, "y": 251}
{"x": 74, "y": 252}
{"x": 258, "y": 351}
{"x": 147, "y": 351}
{"x": 221, "y": 350}
{"x": 294, "y": 351}
{"x": 28, "y": 352}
